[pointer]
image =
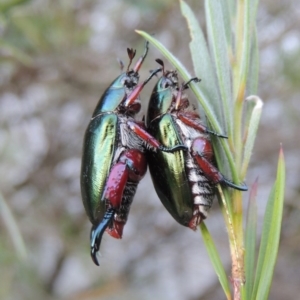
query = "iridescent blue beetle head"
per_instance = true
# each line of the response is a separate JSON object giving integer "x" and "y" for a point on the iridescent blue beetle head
{"x": 163, "y": 94}
{"x": 114, "y": 97}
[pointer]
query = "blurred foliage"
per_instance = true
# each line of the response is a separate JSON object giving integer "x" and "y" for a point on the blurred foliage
{"x": 56, "y": 58}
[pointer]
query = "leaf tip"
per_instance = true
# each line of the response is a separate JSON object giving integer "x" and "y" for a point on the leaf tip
{"x": 281, "y": 154}
{"x": 258, "y": 102}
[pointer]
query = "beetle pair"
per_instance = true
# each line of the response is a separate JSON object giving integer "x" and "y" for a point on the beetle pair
{"x": 117, "y": 148}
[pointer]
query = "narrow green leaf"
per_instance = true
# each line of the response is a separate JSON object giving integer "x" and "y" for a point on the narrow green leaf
{"x": 252, "y": 82}
{"x": 201, "y": 59}
{"x": 215, "y": 259}
{"x": 227, "y": 22}
{"x": 13, "y": 229}
{"x": 245, "y": 44}
{"x": 218, "y": 44}
{"x": 250, "y": 241}
{"x": 251, "y": 126}
{"x": 270, "y": 235}
{"x": 199, "y": 95}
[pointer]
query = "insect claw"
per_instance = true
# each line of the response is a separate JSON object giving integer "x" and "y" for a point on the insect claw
{"x": 216, "y": 134}
{"x": 97, "y": 232}
{"x": 242, "y": 187}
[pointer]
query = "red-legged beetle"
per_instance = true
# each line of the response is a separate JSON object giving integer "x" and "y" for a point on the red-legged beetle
{"x": 114, "y": 159}
{"x": 184, "y": 180}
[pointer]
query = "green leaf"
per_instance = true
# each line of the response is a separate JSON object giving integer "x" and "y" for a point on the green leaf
{"x": 252, "y": 82}
{"x": 250, "y": 241}
{"x": 13, "y": 229}
{"x": 270, "y": 235}
{"x": 215, "y": 259}
{"x": 251, "y": 126}
{"x": 225, "y": 6}
{"x": 244, "y": 43}
{"x": 218, "y": 44}
{"x": 201, "y": 59}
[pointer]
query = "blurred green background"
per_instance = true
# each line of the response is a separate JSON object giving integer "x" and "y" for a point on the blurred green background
{"x": 56, "y": 59}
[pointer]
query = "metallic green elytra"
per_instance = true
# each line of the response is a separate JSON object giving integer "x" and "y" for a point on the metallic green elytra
{"x": 184, "y": 180}
{"x": 99, "y": 149}
{"x": 167, "y": 170}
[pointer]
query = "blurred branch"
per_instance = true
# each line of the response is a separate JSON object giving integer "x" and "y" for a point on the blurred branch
{"x": 13, "y": 229}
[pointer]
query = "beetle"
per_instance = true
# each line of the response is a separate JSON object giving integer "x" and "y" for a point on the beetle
{"x": 184, "y": 181}
{"x": 114, "y": 159}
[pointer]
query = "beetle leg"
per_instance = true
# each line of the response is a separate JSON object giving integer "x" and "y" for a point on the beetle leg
{"x": 142, "y": 58}
{"x": 97, "y": 232}
{"x": 181, "y": 89}
{"x": 201, "y": 150}
{"x": 121, "y": 186}
{"x": 187, "y": 120}
{"x": 113, "y": 196}
{"x": 151, "y": 141}
{"x": 137, "y": 90}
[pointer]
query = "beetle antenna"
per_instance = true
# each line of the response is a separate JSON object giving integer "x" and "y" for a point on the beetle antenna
{"x": 131, "y": 54}
{"x": 142, "y": 58}
{"x": 186, "y": 85}
{"x": 150, "y": 71}
{"x": 153, "y": 73}
{"x": 159, "y": 61}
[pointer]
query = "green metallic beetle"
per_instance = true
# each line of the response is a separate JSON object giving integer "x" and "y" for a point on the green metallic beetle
{"x": 184, "y": 180}
{"x": 114, "y": 160}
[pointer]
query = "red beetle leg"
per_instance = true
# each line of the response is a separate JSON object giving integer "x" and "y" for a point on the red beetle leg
{"x": 131, "y": 167}
{"x": 141, "y": 59}
{"x": 136, "y": 164}
{"x": 115, "y": 185}
{"x": 178, "y": 99}
{"x": 150, "y": 140}
{"x": 187, "y": 119}
{"x": 202, "y": 152}
{"x": 133, "y": 96}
